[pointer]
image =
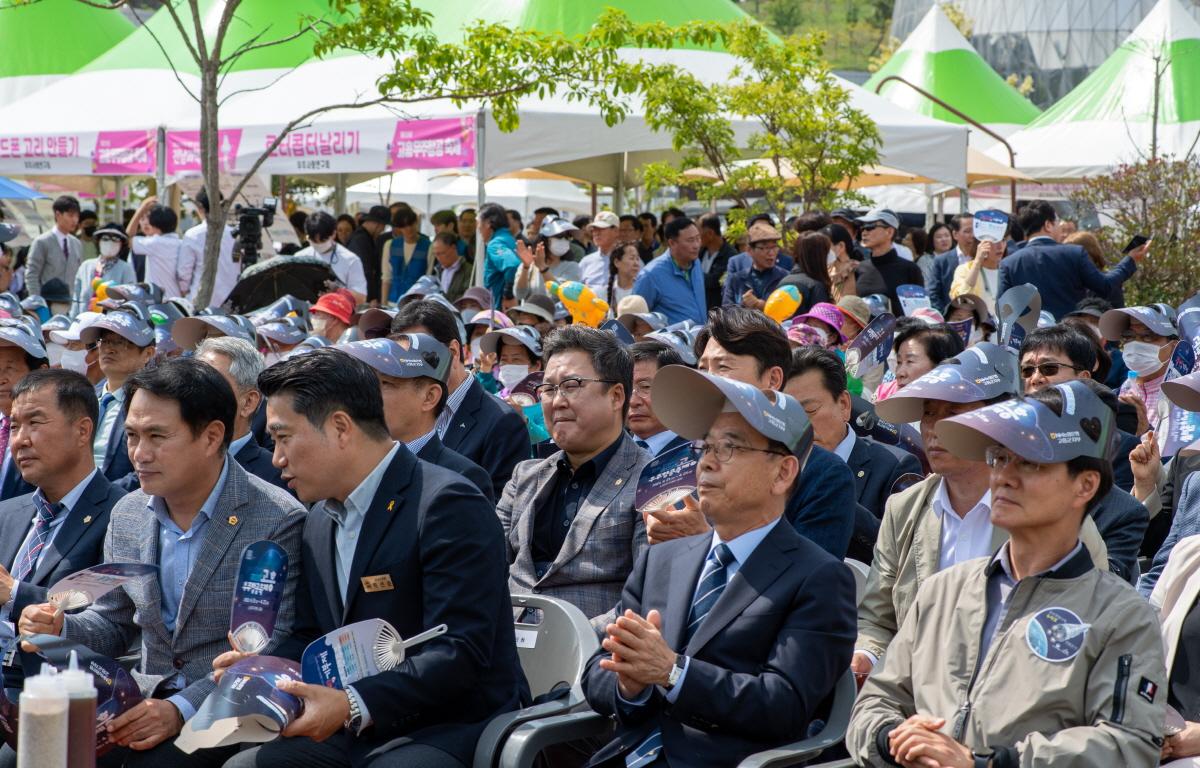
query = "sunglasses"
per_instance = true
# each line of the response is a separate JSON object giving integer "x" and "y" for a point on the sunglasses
{"x": 1047, "y": 370}
{"x": 869, "y": 227}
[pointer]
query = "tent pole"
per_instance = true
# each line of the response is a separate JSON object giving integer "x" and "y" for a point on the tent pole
{"x": 119, "y": 199}
{"x": 160, "y": 164}
{"x": 928, "y": 209}
{"x": 595, "y": 208}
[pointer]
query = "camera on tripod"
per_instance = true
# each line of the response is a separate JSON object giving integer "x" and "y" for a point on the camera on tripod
{"x": 248, "y": 233}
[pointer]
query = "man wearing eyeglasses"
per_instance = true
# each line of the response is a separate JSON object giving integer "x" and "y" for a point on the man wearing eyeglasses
{"x": 568, "y": 519}
{"x": 750, "y": 287}
{"x": 725, "y": 643}
{"x": 1040, "y": 658}
{"x": 125, "y": 342}
{"x": 885, "y": 270}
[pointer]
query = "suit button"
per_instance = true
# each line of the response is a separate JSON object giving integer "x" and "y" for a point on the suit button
{"x": 177, "y": 663}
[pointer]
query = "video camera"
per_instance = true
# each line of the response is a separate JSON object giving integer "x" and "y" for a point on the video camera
{"x": 248, "y": 233}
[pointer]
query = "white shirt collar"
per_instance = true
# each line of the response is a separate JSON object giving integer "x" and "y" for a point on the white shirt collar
{"x": 239, "y": 444}
{"x": 941, "y": 502}
{"x": 845, "y": 447}
{"x": 743, "y": 546}
{"x": 659, "y": 441}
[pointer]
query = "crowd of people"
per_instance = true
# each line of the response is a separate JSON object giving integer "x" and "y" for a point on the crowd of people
{"x": 1015, "y": 489}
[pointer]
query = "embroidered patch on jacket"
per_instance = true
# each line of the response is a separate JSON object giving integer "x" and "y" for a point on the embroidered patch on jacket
{"x": 1147, "y": 689}
{"x": 1056, "y": 634}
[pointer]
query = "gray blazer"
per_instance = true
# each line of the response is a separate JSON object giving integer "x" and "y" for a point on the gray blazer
{"x": 605, "y": 538}
{"x": 248, "y": 510}
{"x": 46, "y": 262}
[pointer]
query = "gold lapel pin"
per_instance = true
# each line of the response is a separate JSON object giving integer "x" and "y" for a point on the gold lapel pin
{"x": 619, "y": 481}
{"x": 391, "y": 505}
{"x": 861, "y": 473}
{"x": 87, "y": 519}
{"x": 233, "y": 520}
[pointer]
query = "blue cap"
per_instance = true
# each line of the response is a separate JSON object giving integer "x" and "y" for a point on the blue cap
{"x": 986, "y": 371}
{"x": 1115, "y": 322}
{"x": 525, "y": 335}
{"x": 19, "y": 332}
{"x": 188, "y": 331}
{"x": 390, "y": 358}
{"x": 130, "y": 322}
{"x": 287, "y": 330}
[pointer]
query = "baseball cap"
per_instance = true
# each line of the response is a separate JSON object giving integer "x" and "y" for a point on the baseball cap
{"x": 18, "y": 332}
{"x": 478, "y": 294}
{"x": 827, "y": 313}
{"x": 761, "y": 231}
{"x": 554, "y": 226}
{"x": 881, "y": 215}
{"x": 308, "y": 345}
{"x": 632, "y": 305}
{"x": 1115, "y": 322}
{"x": 285, "y": 330}
{"x": 424, "y": 357}
{"x": 986, "y": 371}
{"x": 606, "y": 220}
{"x": 189, "y": 331}
{"x": 1030, "y": 429}
{"x": 129, "y": 321}
{"x": 855, "y": 309}
{"x": 379, "y": 214}
{"x": 522, "y": 334}
{"x": 529, "y": 308}
{"x": 656, "y": 320}
{"x": 337, "y": 304}
{"x": 688, "y": 401}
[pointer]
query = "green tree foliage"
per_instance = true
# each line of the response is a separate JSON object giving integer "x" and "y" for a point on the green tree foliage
{"x": 1156, "y": 198}
{"x": 806, "y": 132}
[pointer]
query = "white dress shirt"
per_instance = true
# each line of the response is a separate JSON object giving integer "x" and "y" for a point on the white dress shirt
{"x": 346, "y": 266}
{"x": 963, "y": 538}
{"x": 594, "y": 267}
{"x": 228, "y": 270}
{"x": 170, "y": 262}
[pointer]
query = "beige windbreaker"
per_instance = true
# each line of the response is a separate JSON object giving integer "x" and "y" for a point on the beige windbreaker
{"x": 1094, "y": 697}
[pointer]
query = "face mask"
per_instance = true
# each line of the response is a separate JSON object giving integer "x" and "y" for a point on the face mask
{"x": 325, "y": 247}
{"x": 320, "y": 323}
{"x": 74, "y": 360}
{"x": 109, "y": 249}
{"x": 476, "y": 352}
{"x": 55, "y": 353}
{"x": 831, "y": 258}
{"x": 511, "y": 375}
{"x": 560, "y": 247}
{"x": 468, "y": 315}
{"x": 823, "y": 334}
{"x": 89, "y": 231}
{"x": 1141, "y": 357}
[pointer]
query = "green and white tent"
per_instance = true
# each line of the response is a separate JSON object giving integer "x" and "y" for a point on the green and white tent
{"x": 46, "y": 41}
{"x": 1107, "y": 119}
{"x": 938, "y": 59}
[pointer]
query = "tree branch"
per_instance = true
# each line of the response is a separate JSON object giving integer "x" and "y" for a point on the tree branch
{"x": 231, "y": 7}
{"x": 163, "y": 50}
{"x": 253, "y": 45}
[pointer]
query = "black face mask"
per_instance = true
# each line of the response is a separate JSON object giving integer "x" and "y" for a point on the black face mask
{"x": 89, "y": 231}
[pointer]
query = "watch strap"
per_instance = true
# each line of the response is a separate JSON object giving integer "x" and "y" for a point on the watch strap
{"x": 982, "y": 759}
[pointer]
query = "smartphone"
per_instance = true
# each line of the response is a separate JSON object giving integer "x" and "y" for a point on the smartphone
{"x": 1137, "y": 242}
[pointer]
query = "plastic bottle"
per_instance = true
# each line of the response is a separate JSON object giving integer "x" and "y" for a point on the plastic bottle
{"x": 81, "y": 715}
{"x": 42, "y": 729}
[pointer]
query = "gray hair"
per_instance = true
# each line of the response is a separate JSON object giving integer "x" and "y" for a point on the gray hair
{"x": 245, "y": 362}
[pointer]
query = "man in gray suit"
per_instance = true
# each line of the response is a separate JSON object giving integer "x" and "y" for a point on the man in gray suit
{"x": 54, "y": 258}
{"x": 569, "y": 521}
{"x": 195, "y": 513}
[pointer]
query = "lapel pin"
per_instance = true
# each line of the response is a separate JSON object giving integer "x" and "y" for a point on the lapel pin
{"x": 87, "y": 519}
{"x": 619, "y": 481}
{"x": 391, "y": 505}
{"x": 861, "y": 472}
{"x": 233, "y": 520}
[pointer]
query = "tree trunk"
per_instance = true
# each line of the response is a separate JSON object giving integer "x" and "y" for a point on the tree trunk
{"x": 210, "y": 140}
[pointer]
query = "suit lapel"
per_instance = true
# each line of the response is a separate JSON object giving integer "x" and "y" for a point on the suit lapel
{"x": 764, "y": 566}
{"x": 465, "y": 415}
{"x": 389, "y": 503}
{"x": 87, "y": 508}
{"x": 220, "y": 531}
{"x": 681, "y": 585}
{"x": 606, "y": 488}
{"x": 13, "y": 530}
{"x": 114, "y": 434}
{"x": 860, "y": 466}
{"x": 543, "y": 483}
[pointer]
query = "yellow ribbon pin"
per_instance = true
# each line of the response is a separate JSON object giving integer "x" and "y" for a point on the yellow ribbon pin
{"x": 391, "y": 505}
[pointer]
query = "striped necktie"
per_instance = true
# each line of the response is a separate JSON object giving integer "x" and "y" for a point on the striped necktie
{"x": 713, "y": 579}
{"x": 27, "y": 560}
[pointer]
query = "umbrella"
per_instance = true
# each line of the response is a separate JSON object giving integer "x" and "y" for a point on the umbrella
{"x": 301, "y": 276}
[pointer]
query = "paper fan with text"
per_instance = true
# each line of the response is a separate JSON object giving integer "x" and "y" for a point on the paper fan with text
{"x": 358, "y": 650}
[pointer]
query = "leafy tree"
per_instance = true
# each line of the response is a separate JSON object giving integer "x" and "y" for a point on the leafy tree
{"x": 808, "y": 135}
{"x": 786, "y": 16}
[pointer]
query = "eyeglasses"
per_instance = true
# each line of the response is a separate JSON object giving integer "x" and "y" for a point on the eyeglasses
{"x": 642, "y": 389}
{"x": 569, "y": 387}
{"x": 1148, "y": 337}
{"x": 765, "y": 246}
{"x": 723, "y": 450}
{"x": 114, "y": 342}
{"x": 1047, "y": 370}
{"x": 998, "y": 457}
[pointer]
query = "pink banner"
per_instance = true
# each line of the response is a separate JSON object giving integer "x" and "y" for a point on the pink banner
{"x": 441, "y": 143}
{"x": 183, "y": 151}
{"x": 124, "y": 153}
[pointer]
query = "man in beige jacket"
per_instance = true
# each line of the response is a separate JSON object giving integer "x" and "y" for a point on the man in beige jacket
{"x": 945, "y": 519}
{"x": 1033, "y": 657}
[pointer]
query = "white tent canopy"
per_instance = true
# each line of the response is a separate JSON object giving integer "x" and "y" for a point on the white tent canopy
{"x": 430, "y": 191}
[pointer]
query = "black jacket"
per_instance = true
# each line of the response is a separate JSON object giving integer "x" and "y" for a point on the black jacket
{"x": 436, "y": 453}
{"x": 487, "y": 431}
{"x": 362, "y": 243}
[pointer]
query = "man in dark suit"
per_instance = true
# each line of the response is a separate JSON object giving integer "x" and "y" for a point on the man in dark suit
{"x": 21, "y": 351}
{"x": 365, "y": 244}
{"x": 412, "y": 379}
{"x": 1063, "y": 274}
{"x": 962, "y": 229}
{"x": 747, "y": 346}
{"x": 482, "y": 428}
{"x": 715, "y": 253}
{"x": 126, "y": 343}
{"x": 818, "y": 382}
{"x": 240, "y": 363}
{"x": 726, "y": 643}
{"x": 391, "y": 538}
{"x": 59, "y": 528}
{"x": 648, "y": 432}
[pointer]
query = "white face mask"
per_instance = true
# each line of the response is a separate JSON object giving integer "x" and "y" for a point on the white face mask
{"x": 55, "y": 352}
{"x": 831, "y": 258}
{"x": 325, "y": 247}
{"x": 109, "y": 249}
{"x": 1141, "y": 357}
{"x": 475, "y": 350}
{"x": 511, "y": 375}
{"x": 468, "y": 315}
{"x": 74, "y": 360}
{"x": 560, "y": 247}
{"x": 320, "y": 323}
{"x": 821, "y": 332}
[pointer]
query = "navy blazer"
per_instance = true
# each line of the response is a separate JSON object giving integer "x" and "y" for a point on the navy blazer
{"x": 77, "y": 544}
{"x": 940, "y": 278}
{"x": 12, "y": 484}
{"x": 823, "y": 505}
{"x": 440, "y": 542}
{"x": 117, "y": 467}
{"x": 436, "y": 453}
{"x": 1122, "y": 471}
{"x": 257, "y": 461}
{"x": 1122, "y": 521}
{"x": 1063, "y": 274}
{"x": 876, "y": 467}
{"x": 761, "y": 663}
{"x": 490, "y": 433}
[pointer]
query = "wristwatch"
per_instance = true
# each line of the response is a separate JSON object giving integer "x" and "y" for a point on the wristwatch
{"x": 676, "y": 671}
{"x": 982, "y": 759}
{"x": 354, "y": 721}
